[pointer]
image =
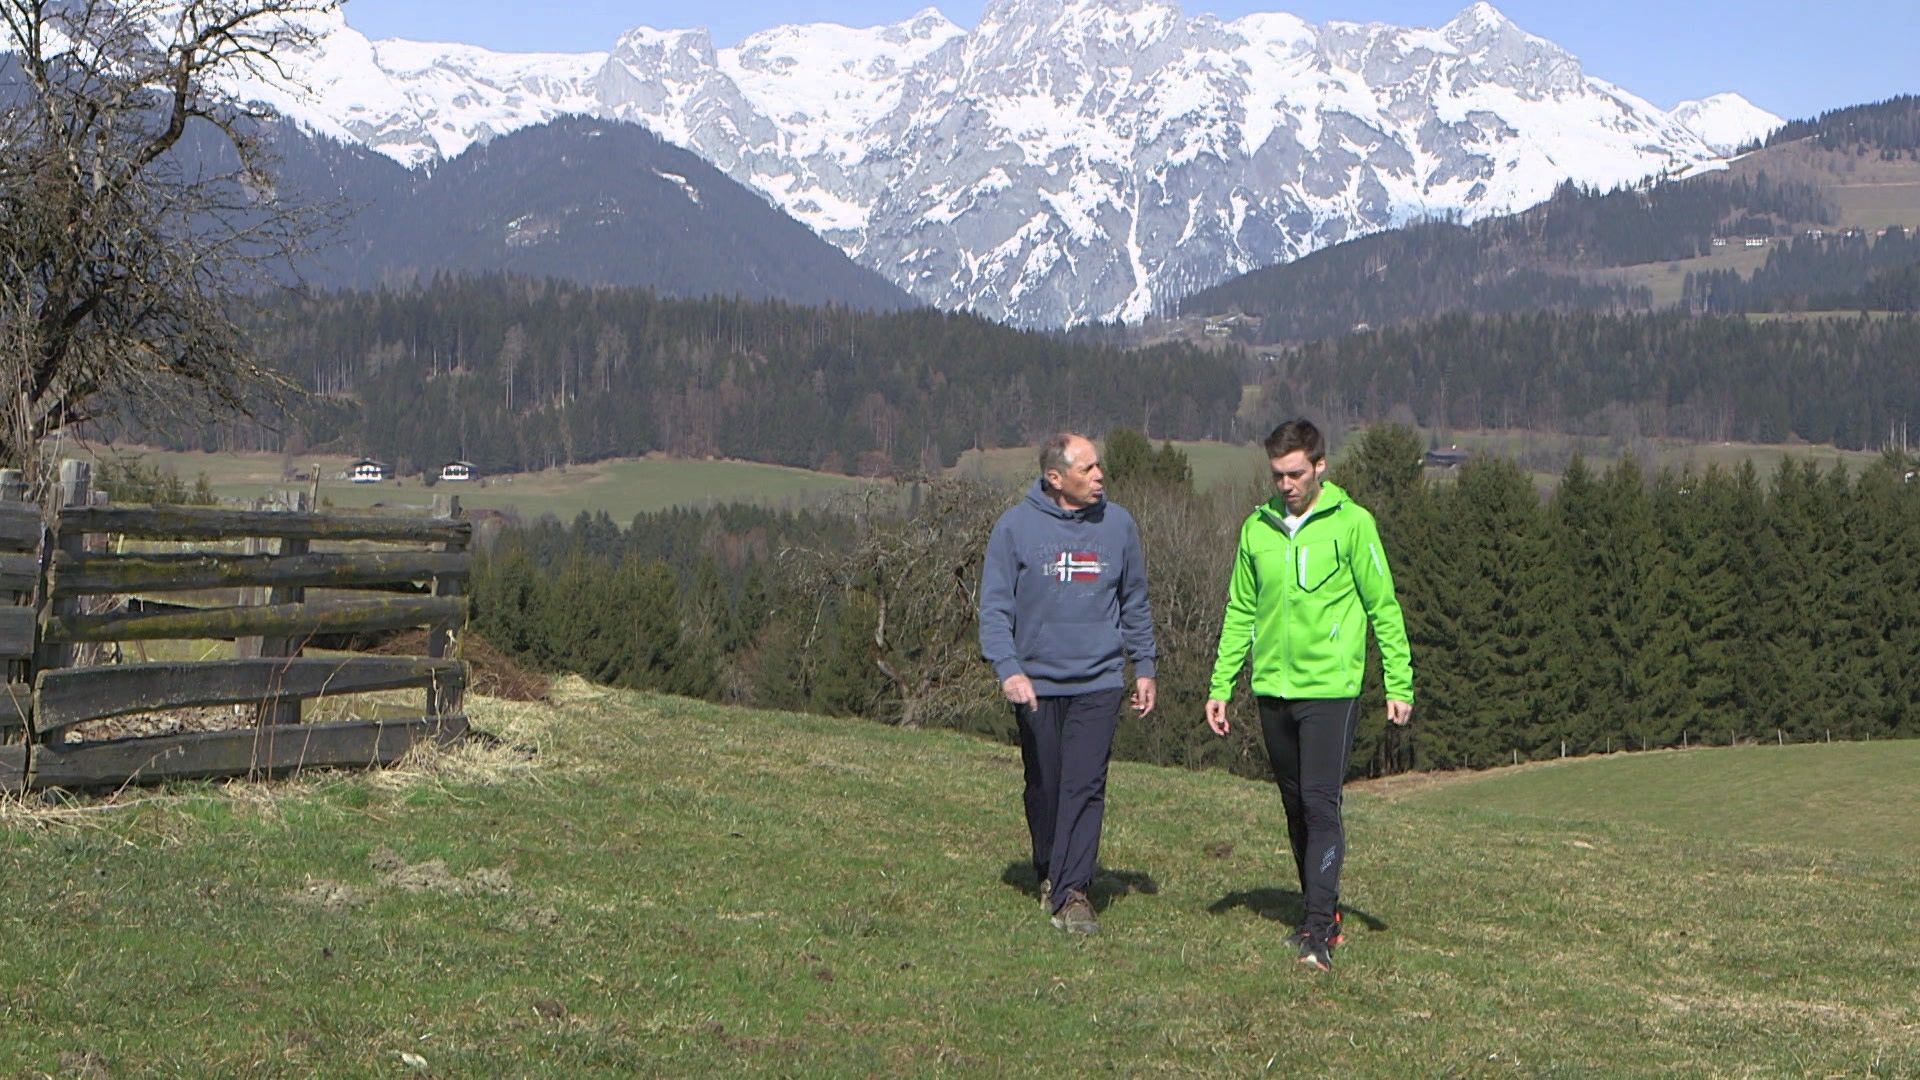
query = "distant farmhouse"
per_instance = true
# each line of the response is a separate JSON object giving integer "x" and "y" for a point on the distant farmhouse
{"x": 458, "y": 470}
{"x": 367, "y": 471}
{"x": 1451, "y": 457}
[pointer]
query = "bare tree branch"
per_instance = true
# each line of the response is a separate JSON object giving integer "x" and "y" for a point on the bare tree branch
{"x": 137, "y": 208}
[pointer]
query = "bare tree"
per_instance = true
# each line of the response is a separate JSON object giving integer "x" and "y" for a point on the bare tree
{"x": 138, "y": 209}
{"x": 918, "y": 574}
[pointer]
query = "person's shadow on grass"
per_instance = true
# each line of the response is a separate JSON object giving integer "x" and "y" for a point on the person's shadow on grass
{"x": 1108, "y": 884}
{"x": 1284, "y": 906}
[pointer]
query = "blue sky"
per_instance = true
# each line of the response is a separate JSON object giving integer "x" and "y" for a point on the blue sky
{"x": 1792, "y": 57}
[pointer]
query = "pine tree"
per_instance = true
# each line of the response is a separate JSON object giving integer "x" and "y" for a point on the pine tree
{"x": 1579, "y": 670}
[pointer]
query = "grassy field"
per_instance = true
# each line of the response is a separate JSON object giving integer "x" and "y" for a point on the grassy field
{"x": 660, "y": 887}
{"x": 1214, "y": 463}
{"x": 1841, "y": 797}
{"x": 1862, "y": 192}
{"x": 1548, "y": 453}
{"x": 1865, "y": 192}
{"x": 1666, "y": 280}
{"x": 622, "y": 487}
{"x": 628, "y": 486}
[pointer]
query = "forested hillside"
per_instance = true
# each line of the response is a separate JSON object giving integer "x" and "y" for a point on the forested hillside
{"x": 1543, "y": 258}
{"x": 1842, "y": 381}
{"x": 1851, "y": 271}
{"x": 1625, "y": 610}
{"x": 1890, "y": 127}
{"x": 514, "y": 374}
{"x": 1532, "y": 261}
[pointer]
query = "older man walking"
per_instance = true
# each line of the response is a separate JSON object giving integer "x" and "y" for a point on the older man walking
{"x": 1063, "y": 607}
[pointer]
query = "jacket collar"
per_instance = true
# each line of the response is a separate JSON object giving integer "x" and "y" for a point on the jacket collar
{"x": 1332, "y": 498}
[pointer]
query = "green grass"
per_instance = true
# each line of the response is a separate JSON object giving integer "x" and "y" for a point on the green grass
{"x": 1666, "y": 280}
{"x": 628, "y": 486}
{"x": 1853, "y": 797}
{"x": 622, "y": 487}
{"x": 669, "y": 888}
{"x": 1535, "y": 449}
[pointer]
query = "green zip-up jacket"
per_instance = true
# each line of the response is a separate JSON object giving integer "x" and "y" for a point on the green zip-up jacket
{"x": 1296, "y": 604}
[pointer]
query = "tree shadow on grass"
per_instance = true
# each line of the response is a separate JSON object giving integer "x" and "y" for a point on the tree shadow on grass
{"x": 1108, "y": 884}
{"x": 1284, "y": 906}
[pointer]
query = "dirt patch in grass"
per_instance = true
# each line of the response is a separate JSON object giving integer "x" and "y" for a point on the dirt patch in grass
{"x": 330, "y": 896}
{"x": 433, "y": 876}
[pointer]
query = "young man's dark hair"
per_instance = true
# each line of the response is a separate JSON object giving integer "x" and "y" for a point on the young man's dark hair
{"x": 1296, "y": 435}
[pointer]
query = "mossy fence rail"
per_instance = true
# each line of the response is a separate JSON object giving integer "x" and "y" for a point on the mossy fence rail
{"x": 88, "y": 579}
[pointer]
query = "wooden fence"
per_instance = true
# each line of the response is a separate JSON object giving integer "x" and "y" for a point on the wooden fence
{"x": 77, "y": 603}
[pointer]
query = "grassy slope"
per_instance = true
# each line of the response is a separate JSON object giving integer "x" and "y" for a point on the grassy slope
{"x": 627, "y": 486}
{"x": 694, "y": 890}
{"x": 1865, "y": 193}
{"x": 1856, "y": 797}
{"x": 623, "y": 487}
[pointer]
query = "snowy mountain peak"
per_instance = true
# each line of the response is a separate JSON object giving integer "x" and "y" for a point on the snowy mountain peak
{"x": 1725, "y": 122}
{"x": 1479, "y": 19}
{"x": 1064, "y": 160}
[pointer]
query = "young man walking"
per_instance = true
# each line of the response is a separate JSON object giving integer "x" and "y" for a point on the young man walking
{"x": 1309, "y": 566}
{"x": 1063, "y": 606}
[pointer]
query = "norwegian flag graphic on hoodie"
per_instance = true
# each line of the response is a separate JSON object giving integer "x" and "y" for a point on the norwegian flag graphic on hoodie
{"x": 1076, "y": 566}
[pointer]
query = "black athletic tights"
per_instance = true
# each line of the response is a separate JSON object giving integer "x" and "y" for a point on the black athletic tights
{"x": 1308, "y": 743}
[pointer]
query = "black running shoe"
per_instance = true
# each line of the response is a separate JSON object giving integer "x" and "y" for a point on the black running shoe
{"x": 1317, "y": 953}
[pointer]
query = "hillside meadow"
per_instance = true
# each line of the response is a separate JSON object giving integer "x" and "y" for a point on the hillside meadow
{"x": 637, "y": 885}
{"x": 624, "y": 487}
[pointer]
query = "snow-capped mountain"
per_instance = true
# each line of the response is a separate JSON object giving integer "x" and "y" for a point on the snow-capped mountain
{"x": 1725, "y": 122}
{"x": 1065, "y": 160}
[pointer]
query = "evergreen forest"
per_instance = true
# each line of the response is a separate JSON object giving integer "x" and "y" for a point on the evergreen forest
{"x": 515, "y": 374}
{"x": 1624, "y": 611}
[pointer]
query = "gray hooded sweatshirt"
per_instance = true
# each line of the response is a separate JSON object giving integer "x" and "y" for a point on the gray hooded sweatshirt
{"x": 1063, "y": 598}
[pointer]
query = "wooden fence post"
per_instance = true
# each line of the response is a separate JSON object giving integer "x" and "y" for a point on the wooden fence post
{"x": 13, "y": 488}
{"x": 444, "y": 702}
{"x": 285, "y": 710}
{"x": 75, "y": 490}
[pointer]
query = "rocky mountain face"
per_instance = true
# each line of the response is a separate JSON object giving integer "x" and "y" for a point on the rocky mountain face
{"x": 1064, "y": 161}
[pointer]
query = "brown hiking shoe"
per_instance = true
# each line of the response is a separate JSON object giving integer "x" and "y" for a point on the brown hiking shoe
{"x": 1076, "y": 915}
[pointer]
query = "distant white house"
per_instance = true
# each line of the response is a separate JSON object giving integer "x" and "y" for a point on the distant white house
{"x": 1719, "y": 241}
{"x": 457, "y": 470}
{"x": 1756, "y": 241}
{"x": 367, "y": 471}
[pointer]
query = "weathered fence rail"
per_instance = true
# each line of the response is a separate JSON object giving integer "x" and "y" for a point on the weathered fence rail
{"x": 76, "y": 599}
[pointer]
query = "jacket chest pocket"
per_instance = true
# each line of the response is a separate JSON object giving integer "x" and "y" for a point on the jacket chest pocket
{"x": 1316, "y": 564}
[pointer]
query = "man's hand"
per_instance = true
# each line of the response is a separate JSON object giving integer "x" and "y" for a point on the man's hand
{"x": 1217, "y": 717}
{"x": 1143, "y": 690}
{"x": 1399, "y": 712}
{"x": 1019, "y": 690}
